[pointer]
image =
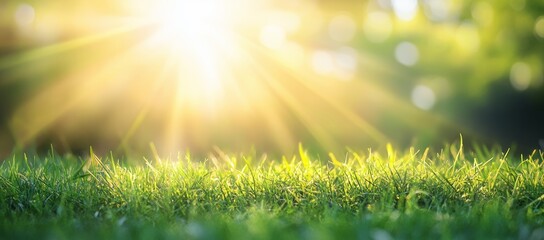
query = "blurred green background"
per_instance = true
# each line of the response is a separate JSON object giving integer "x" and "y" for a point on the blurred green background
{"x": 269, "y": 74}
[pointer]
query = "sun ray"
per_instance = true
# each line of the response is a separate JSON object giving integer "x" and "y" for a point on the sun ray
{"x": 282, "y": 72}
{"x": 156, "y": 88}
{"x": 299, "y": 110}
{"x": 348, "y": 114}
{"x": 71, "y": 92}
{"x": 50, "y": 50}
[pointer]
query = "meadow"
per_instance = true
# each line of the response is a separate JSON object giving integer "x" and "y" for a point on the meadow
{"x": 414, "y": 194}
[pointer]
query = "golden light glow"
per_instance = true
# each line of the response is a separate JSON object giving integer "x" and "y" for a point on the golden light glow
{"x": 195, "y": 74}
{"x": 197, "y": 31}
{"x": 189, "y": 18}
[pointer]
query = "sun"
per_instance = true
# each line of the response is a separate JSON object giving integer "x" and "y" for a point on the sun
{"x": 189, "y": 19}
{"x": 203, "y": 50}
{"x": 197, "y": 36}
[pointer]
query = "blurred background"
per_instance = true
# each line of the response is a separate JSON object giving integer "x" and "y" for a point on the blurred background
{"x": 265, "y": 75}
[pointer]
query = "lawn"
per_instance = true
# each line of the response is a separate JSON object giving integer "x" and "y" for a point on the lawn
{"x": 414, "y": 194}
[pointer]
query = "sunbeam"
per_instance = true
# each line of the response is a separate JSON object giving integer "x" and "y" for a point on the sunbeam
{"x": 199, "y": 74}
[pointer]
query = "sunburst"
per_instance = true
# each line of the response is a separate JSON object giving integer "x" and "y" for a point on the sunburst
{"x": 194, "y": 74}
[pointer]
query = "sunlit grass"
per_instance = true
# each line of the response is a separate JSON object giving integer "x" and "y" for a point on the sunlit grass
{"x": 452, "y": 193}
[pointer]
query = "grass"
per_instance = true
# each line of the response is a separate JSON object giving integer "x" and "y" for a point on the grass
{"x": 450, "y": 194}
